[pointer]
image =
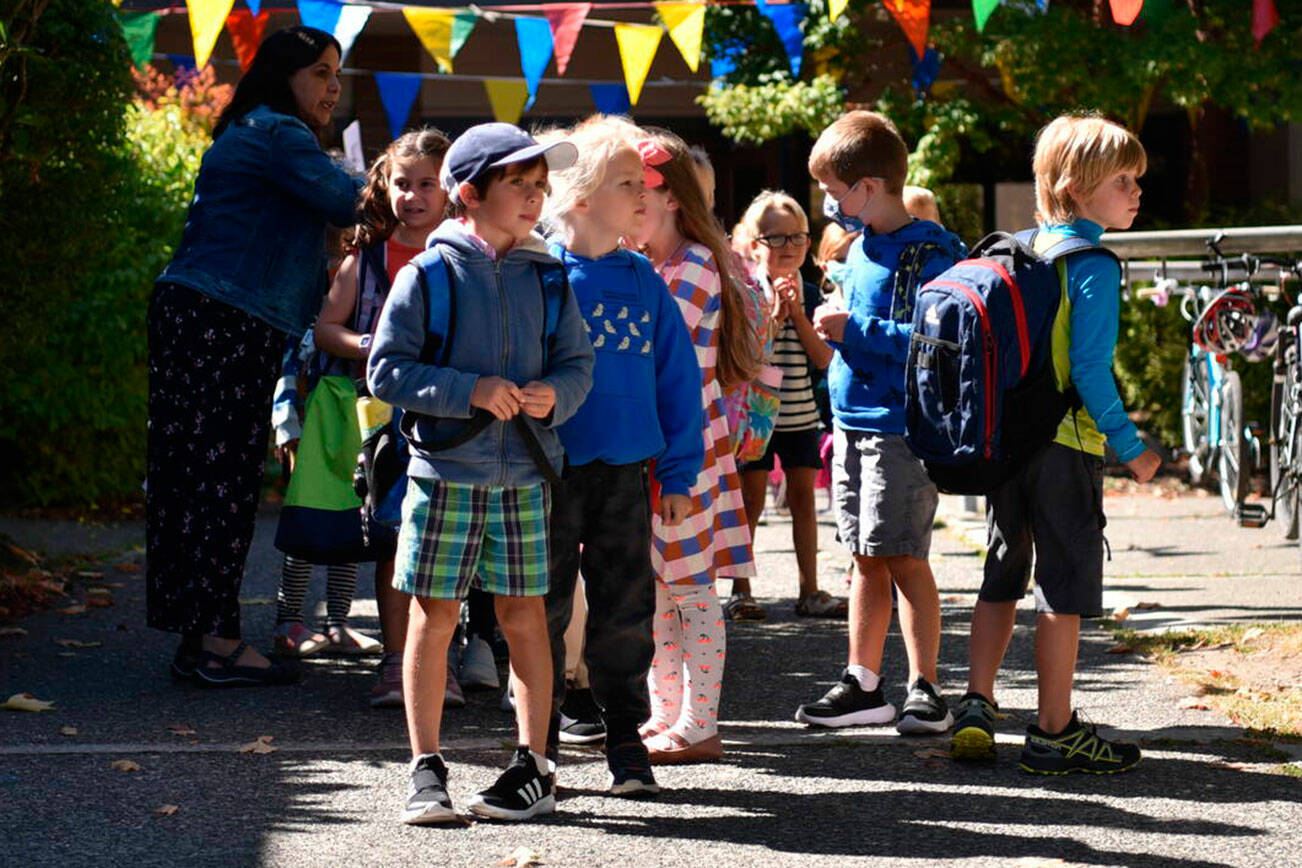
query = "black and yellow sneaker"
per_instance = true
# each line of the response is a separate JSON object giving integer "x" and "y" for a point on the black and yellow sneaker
{"x": 974, "y": 729}
{"x": 1078, "y": 748}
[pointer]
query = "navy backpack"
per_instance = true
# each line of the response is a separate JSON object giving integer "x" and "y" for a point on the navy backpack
{"x": 980, "y": 393}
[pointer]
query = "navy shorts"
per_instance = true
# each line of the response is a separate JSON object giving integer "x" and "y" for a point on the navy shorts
{"x": 794, "y": 448}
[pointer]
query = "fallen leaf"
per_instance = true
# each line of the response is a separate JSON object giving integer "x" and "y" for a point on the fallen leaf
{"x": 54, "y": 586}
{"x": 74, "y": 609}
{"x": 67, "y": 654}
{"x": 931, "y": 753}
{"x": 181, "y": 729}
{"x": 89, "y": 575}
{"x": 115, "y": 584}
{"x": 24, "y": 554}
{"x": 127, "y": 567}
{"x": 1225, "y": 764}
{"x": 1146, "y": 607}
{"x": 26, "y": 702}
{"x": 1216, "y": 673}
{"x": 522, "y": 857}
{"x": 76, "y": 643}
{"x": 1193, "y": 702}
{"x": 12, "y": 631}
{"x": 167, "y": 810}
{"x": 67, "y": 730}
{"x": 125, "y": 766}
{"x": 99, "y": 601}
{"x": 1254, "y": 633}
{"x": 1119, "y": 649}
{"x": 1121, "y": 614}
{"x": 262, "y": 745}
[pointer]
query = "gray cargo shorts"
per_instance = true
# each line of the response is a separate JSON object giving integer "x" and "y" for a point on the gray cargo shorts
{"x": 885, "y": 504}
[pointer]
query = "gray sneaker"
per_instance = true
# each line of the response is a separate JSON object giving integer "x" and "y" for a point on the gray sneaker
{"x": 478, "y": 668}
{"x": 427, "y": 795}
{"x": 924, "y": 712}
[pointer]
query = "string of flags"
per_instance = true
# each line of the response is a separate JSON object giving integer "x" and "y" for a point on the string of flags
{"x": 443, "y": 32}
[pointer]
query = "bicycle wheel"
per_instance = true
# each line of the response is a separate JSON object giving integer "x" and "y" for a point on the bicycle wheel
{"x": 1234, "y": 464}
{"x": 1195, "y": 404}
{"x": 1284, "y": 441}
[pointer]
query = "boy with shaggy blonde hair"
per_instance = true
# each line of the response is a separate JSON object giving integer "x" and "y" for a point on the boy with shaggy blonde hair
{"x": 1086, "y": 181}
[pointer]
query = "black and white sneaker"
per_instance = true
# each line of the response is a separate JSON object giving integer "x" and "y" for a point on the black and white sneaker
{"x": 924, "y": 711}
{"x": 630, "y": 769}
{"x": 521, "y": 792}
{"x": 847, "y": 704}
{"x": 427, "y": 793}
{"x": 581, "y": 719}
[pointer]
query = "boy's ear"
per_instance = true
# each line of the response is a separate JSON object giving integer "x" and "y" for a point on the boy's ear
{"x": 468, "y": 195}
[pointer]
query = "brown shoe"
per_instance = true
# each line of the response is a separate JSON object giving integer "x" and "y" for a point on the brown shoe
{"x": 709, "y": 750}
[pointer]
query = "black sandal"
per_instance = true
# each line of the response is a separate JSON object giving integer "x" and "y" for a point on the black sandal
{"x": 228, "y": 674}
{"x": 187, "y": 658}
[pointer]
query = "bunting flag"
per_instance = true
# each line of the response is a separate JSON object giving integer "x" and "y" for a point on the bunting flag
{"x": 321, "y": 14}
{"x": 206, "y": 20}
{"x": 835, "y": 8}
{"x": 786, "y": 20}
{"x": 246, "y": 31}
{"x": 255, "y": 6}
{"x": 914, "y": 18}
{"x": 611, "y": 99}
{"x": 140, "y": 30}
{"x": 981, "y": 10}
{"x": 398, "y": 92}
{"x": 533, "y": 36}
{"x": 342, "y": 21}
{"x": 1264, "y": 19}
{"x": 1124, "y": 12}
{"x": 566, "y": 20}
{"x": 685, "y": 23}
{"x": 462, "y": 24}
{"x": 351, "y": 21}
{"x": 926, "y": 69}
{"x": 434, "y": 30}
{"x": 637, "y": 48}
{"x": 508, "y": 98}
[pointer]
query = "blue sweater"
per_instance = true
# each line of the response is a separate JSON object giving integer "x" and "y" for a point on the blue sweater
{"x": 646, "y": 387}
{"x": 866, "y": 377}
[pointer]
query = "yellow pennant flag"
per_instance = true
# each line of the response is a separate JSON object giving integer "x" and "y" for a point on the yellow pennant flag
{"x": 434, "y": 30}
{"x": 637, "y": 48}
{"x": 835, "y": 8}
{"x": 685, "y": 22}
{"x": 207, "y": 18}
{"x": 507, "y": 97}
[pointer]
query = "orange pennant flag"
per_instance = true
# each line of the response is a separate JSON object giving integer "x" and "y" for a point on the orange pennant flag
{"x": 1124, "y": 12}
{"x": 914, "y": 18}
{"x": 566, "y": 20}
{"x": 246, "y": 31}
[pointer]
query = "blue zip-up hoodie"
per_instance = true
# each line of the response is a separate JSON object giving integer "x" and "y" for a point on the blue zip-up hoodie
{"x": 500, "y": 318}
{"x": 254, "y": 237}
{"x": 866, "y": 377}
{"x": 646, "y": 388}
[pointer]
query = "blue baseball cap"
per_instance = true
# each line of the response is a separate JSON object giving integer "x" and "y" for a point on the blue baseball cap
{"x": 490, "y": 146}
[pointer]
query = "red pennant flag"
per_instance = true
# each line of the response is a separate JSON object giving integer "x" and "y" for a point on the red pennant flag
{"x": 246, "y": 31}
{"x": 1264, "y": 19}
{"x": 914, "y": 17}
{"x": 1124, "y": 12}
{"x": 566, "y": 20}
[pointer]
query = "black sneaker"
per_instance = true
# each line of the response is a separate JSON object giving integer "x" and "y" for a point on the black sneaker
{"x": 581, "y": 719}
{"x": 520, "y": 792}
{"x": 427, "y": 794}
{"x": 924, "y": 711}
{"x": 630, "y": 769}
{"x": 974, "y": 729}
{"x": 847, "y": 704}
{"x": 1078, "y": 748}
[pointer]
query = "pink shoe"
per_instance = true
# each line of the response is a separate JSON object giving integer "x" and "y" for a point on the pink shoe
{"x": 387, "y": 692}
{"x": 295, "y": 640}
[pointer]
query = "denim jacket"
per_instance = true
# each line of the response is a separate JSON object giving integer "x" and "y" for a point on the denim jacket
{"x": 255, "y": 234}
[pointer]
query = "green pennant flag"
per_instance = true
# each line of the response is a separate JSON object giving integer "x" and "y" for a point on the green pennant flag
{"x": 461, "y": 27}
{"x": 981, "y": 10}
{"x": 139, "y": 29}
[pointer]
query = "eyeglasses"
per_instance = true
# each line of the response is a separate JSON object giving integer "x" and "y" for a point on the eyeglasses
{"x": 795, "y": 239}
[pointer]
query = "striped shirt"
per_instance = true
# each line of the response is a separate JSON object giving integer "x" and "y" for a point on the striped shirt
{"x": 798, "y": 411}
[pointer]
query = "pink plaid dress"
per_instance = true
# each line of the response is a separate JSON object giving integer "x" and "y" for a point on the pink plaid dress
{"x": 715, "y": 538}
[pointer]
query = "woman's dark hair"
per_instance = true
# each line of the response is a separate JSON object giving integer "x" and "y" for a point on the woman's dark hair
{"x": 281, "y": 54}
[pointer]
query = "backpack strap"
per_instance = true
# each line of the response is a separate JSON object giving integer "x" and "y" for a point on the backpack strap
{"x": 908, "y": 277}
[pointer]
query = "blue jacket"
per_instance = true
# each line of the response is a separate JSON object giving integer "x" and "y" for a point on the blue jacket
{"x": 866, "y": 377}
{"x": 646, "y": 389}
{"x": 499, "y": 329}
{"x": 255, "y": 234}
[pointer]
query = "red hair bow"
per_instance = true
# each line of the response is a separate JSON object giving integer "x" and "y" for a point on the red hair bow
{"x": 652, "y": 155}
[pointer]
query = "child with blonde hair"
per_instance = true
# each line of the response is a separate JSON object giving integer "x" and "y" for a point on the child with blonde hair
{"x": 685, "y": 243}
{"x": 643, "y": 407}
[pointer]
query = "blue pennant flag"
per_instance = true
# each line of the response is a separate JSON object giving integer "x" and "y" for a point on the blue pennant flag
{"x": 611, "y": 99}
{"x": 534, "y": 36}
{"x": 926, "y": 70}
{"x": 398, "y": 91}
{"x": 786, "y": 20}
{"x": 255, "y": 6}
{"x": 321, "y": 14}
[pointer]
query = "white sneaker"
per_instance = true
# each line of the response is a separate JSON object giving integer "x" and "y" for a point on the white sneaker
{"x": 478, "y": 668}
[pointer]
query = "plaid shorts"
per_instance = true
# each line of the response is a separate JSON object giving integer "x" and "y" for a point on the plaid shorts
{"x": 456, "y": 536}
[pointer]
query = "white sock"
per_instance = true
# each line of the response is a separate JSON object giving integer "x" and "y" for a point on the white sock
{"x": 420, "y": 757}
{"x": 868, "y": 680}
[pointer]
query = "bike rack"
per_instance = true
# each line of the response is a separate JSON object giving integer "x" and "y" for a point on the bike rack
{"x": 1193, "y": 242}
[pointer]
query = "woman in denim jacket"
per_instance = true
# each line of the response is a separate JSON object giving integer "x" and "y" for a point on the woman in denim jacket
{"x": 250, "y": 269}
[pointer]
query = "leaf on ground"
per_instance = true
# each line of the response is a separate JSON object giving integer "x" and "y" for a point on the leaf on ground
{"x": 1146, "y": 607}
{"x": 262, "y": 745}
{"x": 89, "y": 575}
{"x": 127, "y": 567}
{"x": 12, "y": 631}
{"x": 26, "y": 702}
{"x": 1216, "y": 673}
{"x": 115, "y": 584}
{"x": 1254, "y": 633}
{"x": 180, "y": 729}
{"x": 1121, "y": 614}
{"x": 54, "y": 586}
{"x": 67, "y": 730}
{"x": 99, "y": 598}
{"x": 74, "y": 609}
{"x": 23, "y": 554}
{"x": 67, "y": 654}
{"x": 166, "y": 810}
{"x": 125, "y": 766}
{"x": 1194, "y": 702}
{"x": 1236, "y": 766}
{"x": 1119, "y": 649}
{"x": 76, "y": 643}
{"x": 522, "y": 857}
{"x": 931, "y": 753}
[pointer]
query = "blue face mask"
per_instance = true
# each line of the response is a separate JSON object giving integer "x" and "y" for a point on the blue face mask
{"x": 832, "y": 211}
{"x": 836, "y": 272}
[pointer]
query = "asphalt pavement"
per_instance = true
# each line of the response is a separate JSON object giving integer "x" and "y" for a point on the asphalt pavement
{"x": 784, "y": 795}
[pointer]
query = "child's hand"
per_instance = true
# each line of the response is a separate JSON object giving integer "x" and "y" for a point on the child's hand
{"x": 500, "y": 397}
{"x": 539, "y": 399}
{"x": 829, "y": 323}
{"x": 1144, "y": 465}
{"x": 789, "y": 290}
{"x": 674, "y": 509}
